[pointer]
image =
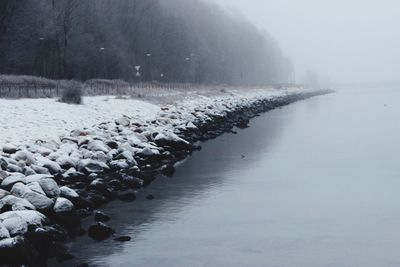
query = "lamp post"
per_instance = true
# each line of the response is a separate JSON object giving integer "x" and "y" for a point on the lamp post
{"x": 150, "y": 67}
{"x": 103, "y": 62}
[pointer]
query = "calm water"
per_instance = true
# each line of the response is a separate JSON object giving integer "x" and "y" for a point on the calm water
{"x": 318, "y": 185}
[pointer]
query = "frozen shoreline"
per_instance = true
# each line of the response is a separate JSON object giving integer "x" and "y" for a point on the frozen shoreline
{"x": 28, "y": 120}
{"x": 71, "y": 172}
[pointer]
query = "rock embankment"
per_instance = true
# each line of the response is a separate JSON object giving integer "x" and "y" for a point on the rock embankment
{"x": 48, "y": 186}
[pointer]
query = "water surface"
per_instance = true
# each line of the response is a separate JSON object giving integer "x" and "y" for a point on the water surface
{"x": 316, "y": 183}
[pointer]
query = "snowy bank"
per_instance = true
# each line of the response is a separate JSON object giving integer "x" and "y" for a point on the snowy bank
{"x": 63, "y": 161}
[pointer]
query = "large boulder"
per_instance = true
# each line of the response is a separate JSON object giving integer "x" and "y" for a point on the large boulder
{"x": 97, "y": 145}
{"x": 169, "y": 139}
{"x": 16, "y": 203}
{"x": 41, "y": 202}
{"x": 25, "y": 156}
{"x": 50, "y": 187}
{"x": 63, "y": 205}
{"x": 10, "y": 181}
{"x": 100, "y": 231}
{"x": 37, "y": 177}
{"x": 16, "y": 251}
{"x": 124, "y": 121}
{"x": 91, "y": 166}
{"x": 9, "y": 148}
{"x": 66, "y": 162}
{"x": 3, "y": 193}
{"x": 39, "y": 169}
{"x": 3, "y": 232}
{"x": 18, "y": 222}
{"x": 35, "y": 186}
{"x": 14, "y": 168}
{"x": 68, "y": 193}
{"x": 52, "y": 166}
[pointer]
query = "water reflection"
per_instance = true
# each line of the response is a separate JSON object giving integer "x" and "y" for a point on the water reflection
{"x": 194, "y": 180}
{"x": 317, "y": 186}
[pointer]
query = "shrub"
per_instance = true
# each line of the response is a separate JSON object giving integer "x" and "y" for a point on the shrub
{"x": 72, "y": 92}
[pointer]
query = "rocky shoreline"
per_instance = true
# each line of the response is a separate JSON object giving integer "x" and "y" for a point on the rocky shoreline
{"x": 48, "y": 187}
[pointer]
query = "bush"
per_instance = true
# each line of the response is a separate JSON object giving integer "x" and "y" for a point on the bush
{"x": 72, "y": 92}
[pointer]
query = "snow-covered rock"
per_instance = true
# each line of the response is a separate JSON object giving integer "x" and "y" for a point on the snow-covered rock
{"x": 37, "y": 177}
{"x": 66, "y": 162}
{"x": 14, "y": 168}
{"x": 3, "y": 193}
{"x": 97, "y": 145}
{"x": 172, "y": 140}
{"x": 16, "y": 203}
{"x": 120, "y": 164}
{"x": 3, "y": 232}
{"x": 25, "y": 156}
{"x": 40, "y": 169}
{"x": 9, "y": 181}
{"x": 148, "y": 152}
{"x": 17, "y": 222}
{"x": 9, "y": 148}
{"x": 35, "y": 186}
{"x": 91, "y": 166}
{"x": 63, "y": 205}
{"x": 68, "y": 193}
{"x": 50, "y": 187}
{"x": 124, "y": 121}
{"x": 52, "y": 166}
{"x": 39, "y": 201}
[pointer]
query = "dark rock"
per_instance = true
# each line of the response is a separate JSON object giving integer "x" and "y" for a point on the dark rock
{"x": 97, "y": 199}
{"x": 101, "y": 217}
{"x": 116, "y": 184}
{"x": 123, "y": 238}
{"x": 112, "y": 144}
{"x": 132, "y": 182}
{"x": 98, "y": 185}
{"x": 17, "y": 251}
{"x": 82, "y": 203}
{"x": 3, "y": 164}
{"x": 100, "y": 231}
{"x": 168, "y": 170}
{"x": 83, "y": 265}
{"x": 5, "y": 208}
{"x": 84, "y": 213}
{"x": 150, "y": 197}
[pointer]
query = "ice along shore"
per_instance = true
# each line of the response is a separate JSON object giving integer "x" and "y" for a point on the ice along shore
{"x": 49, "y": 184}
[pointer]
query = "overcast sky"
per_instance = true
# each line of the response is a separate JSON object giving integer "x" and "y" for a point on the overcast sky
{"x": 345, "y": 40}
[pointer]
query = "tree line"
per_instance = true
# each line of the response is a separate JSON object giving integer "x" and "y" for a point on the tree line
{"x": 188, "y": 41}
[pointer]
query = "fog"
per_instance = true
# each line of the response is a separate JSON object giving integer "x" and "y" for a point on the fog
{"x": 341, "y": 40}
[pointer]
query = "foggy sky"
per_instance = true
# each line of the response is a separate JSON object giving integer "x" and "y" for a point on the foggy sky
{"x": 343, "y": 40}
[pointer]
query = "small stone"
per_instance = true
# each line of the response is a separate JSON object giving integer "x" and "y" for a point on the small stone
{"x": 123, "y": 238}
{"x": 100, "y": 231}
{"x": 168, "y": 170}
{"x": 150, "y": 197}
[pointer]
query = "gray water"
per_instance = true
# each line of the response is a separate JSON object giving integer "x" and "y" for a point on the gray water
{"x": 316, "y": 183}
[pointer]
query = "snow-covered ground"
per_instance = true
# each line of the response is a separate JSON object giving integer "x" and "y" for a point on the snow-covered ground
{"x": 27, "y": 120}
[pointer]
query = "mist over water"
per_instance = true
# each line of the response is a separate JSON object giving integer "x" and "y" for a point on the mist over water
{"x": 343, "y": 40}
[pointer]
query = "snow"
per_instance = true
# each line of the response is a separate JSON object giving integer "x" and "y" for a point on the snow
{"x": 27, "y": 120}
